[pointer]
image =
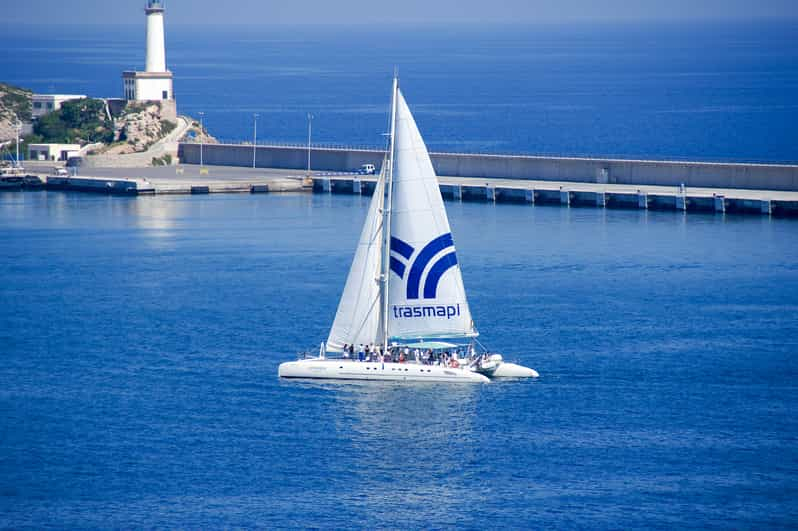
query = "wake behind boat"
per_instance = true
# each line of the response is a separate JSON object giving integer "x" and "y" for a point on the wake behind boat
{"x": 405, "y": 291}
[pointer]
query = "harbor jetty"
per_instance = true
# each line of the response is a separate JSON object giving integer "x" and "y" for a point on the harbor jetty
{"x": 734, "y": 188}
{"x": 746, "y": 188}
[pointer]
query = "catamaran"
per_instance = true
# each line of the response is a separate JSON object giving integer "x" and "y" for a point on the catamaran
{"x": 404, "y": 308}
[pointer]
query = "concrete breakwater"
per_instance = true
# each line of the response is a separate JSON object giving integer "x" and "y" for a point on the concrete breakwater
{"x": 780, "y": 177}
{"x": 569, "y": 194}
{"x": 165, "y": 180}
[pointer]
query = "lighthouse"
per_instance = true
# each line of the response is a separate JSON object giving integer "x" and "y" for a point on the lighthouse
{"x": 155, "y": 83}
{"x": 156, "y": 43}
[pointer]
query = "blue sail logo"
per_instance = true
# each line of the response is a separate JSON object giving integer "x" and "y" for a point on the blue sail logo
{"x": 420, "y": 263}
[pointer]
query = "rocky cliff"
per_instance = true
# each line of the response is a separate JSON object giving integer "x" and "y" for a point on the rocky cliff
{"x": 15, "y": 104}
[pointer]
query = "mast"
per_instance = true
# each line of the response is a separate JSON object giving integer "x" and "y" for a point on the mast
{"x": 386, "y": 219}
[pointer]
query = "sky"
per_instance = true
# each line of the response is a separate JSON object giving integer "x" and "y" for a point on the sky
{"x": 348, "y": 12}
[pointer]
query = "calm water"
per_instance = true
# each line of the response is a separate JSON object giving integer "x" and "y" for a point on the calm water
{"x": 140, "y": 340}
{"x": 705, "y": 91}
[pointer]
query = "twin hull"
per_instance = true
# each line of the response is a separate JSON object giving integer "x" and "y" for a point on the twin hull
{"x": 394, "y": 372}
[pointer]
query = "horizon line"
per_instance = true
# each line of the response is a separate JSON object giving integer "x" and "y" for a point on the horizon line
{"x": 433, "y": 24}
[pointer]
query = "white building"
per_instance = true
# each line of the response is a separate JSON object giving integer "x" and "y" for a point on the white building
{"x": 155, "y": 84}
{"x": 45, "y": 103}
{"x": 52, "y": 152}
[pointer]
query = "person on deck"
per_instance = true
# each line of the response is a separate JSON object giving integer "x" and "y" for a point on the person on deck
{"x": 361, "y": 354}
{"x": 346, "y": 351}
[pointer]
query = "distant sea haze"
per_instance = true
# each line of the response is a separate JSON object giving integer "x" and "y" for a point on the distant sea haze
{"x": 710, "y": 91}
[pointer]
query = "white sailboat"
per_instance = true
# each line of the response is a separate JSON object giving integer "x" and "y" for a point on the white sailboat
{"x": 404, "y": 291}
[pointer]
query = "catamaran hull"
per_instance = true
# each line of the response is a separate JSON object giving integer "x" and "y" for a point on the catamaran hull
{"x": 511, "y": 370}
{"x": 392, "y": 372}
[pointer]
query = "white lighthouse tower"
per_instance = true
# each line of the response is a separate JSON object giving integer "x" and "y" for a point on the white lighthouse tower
{"x": 155, "y": 84}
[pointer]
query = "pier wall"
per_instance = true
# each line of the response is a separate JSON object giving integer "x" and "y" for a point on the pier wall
{"x": 589, "y": 170}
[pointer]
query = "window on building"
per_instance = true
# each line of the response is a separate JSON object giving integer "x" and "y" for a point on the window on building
{"x": 165, "y": 95}
{"x": 50, "y": 105}
{"x": 37, "y": 105}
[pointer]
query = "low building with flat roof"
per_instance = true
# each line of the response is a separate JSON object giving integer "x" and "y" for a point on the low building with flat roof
{"x": 46, "y": 103}
{"x": 52, "y": 152}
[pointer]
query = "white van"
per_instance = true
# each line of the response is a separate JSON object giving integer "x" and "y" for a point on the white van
{"x": 367, "y": 169}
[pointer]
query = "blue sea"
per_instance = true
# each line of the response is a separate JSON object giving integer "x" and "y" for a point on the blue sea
{"x": 140, "y": 341}
{"x": 708, "y": 91}
{"x": 140, "y": 337}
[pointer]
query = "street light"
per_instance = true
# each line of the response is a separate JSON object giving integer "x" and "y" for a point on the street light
{"x": 19, "y": 132}
{"x": 202, "y": 127}
{"x": 310, "y": 134}
{"x": 255, "y": 142}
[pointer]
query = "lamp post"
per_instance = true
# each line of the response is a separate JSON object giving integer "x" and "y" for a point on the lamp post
{"x": 255, "y": 142}
{"x": 19, "y": 132}
{"x": 202, "y": 128}
{"x": 310, "y": 134}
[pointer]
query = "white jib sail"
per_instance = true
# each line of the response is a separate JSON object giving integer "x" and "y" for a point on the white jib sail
{"x": 357, "y": 319}
{"x": 426, "y": 296}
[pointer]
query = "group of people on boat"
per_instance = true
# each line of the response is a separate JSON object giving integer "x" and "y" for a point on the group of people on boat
{"x": 400, "y": 354}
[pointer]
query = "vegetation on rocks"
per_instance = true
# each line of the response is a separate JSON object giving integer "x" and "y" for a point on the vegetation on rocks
{"x": 166, "y": 160}
{"x": 77, "y": 122}
{"x": 138, "y": 127}
{"x": 15, "y": 105}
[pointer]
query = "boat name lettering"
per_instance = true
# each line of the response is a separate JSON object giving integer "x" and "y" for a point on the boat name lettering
{"x": 414, "y": 312}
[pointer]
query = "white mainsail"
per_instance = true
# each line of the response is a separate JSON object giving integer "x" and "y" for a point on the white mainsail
{"x": 357, "y": 319}
{"x": 426, "y": 296}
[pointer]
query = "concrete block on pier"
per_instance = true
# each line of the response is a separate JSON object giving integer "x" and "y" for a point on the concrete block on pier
{"x": 321, "y": 185}
{"x": 367, "y": 187}
{"x": 342, "y": 186}
{"x": 784, "y": 208}
{"x": 100, "y": 185}
{"x": 447, "y": 191}
{"x": 700, "y": 203}
{"x": 452, "y": 191}
{"x": 662, "y": 202}
{"x": 748, "y": 206}
{"x": 720, "y": 204}
{"x": 622, "y": 200}
{"x": 547, "y": 197}
{"x": 642, "y": 200}
{"x": 474, "y": 193}
{"x": 511, "y": 195}
{"x": 583, "y": 198}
